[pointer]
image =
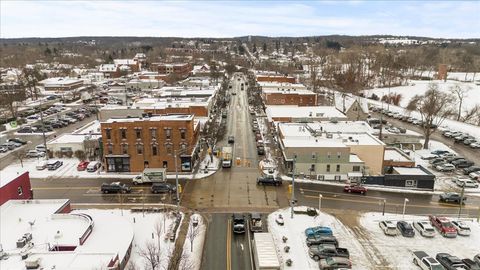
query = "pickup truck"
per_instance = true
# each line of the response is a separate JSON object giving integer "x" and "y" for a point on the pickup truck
{"x": 425, "y": 262}
{"x": 256, "y": 222}
{"x": 326, "y": 250}
{"x": 444, "y": 226}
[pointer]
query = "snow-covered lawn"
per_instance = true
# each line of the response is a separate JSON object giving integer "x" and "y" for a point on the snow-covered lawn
{"x": 294, "y": 230}
{"x": 398, "y": 250}
{"x": 192, "y": 258}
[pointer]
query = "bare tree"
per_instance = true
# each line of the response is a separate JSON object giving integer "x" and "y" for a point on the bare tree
{"x": 159, "y": 229}
{"x": 192, "y": 233}
{"x": 151, "y": 254}
{"x": 20, "y": 154}
{"x": 434, "y": 106}
{"x": 469, "y": 115}
{"x": 460, "y": 93}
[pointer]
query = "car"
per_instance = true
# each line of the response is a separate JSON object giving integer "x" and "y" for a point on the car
{"x": 462, "y": 228}
{"x": 260, "y": 150}
{"x": 475, "y": 145}
{"x": 231, "y": 139}
{"x": 41, "y": 165}
{"x": 321, "y": 240}
{"x": 279, "y": 220}
{"x": 405, "y": 229}
{"x": 447, "y": 167}
{"x": 238, "y": 223}
{"x": 335, "y": 263}
{"x": 269, "y": 180}
{"x": 318, "y": 231}
{"x": 93, "y": 166}
{"x": 448, "y": 154}
{"x": 452, "y": 197}
{"x": 476, "y": 258}
{"x": 439, "y": 152}
{"x": 469, "y": 184}
{"x": 3, "y": 149}
{"x": 474, "y": 175}
{"x": 52, "y": 165}
{"x": 159, "y": 188}
{"x": 471, "y": 264}
{"x": 34, "y": 154}
{"x": 471, "y": 169}
{"x": 41, "y": 148}
{"x": 444, "y": 226}
{"x": 462, "y": 163}
{"x": 450, "y": 262}
{"x": 82, "y": 166}
{"x": 437, "y": 161}
{"x": 425, "y": 262}
{"x": 115, "y": 187}
{"x": 388, "y": 228}
{"x": 18, "y": 140}
{"x": 424, "y": 228}
{"x": 355, "y": 189}
{"x": 323, "y": 251}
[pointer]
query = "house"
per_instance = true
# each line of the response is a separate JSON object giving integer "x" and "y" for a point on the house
{"x": 15, "y": 185}
{"x": 355, "y": 108}
{"x": 201, "y": 70}
{"x": 133, "y": 144}
{"x": 109, "y": 70}
{"x": 132, "y": 64}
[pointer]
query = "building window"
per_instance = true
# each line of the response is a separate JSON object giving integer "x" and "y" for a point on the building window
{"x": 339, "y": 154}
{"x": 168, "y": 147}
{"x": 329, "y": 154}
{"x": 168, "y": 134}
{"x": 110, "y": 148}
{"x": 108, "y": 132}
{"x": 338, "y": 167}
{"x": 312, "y": 167}
{"x": 314, "y": 156}
{"x": 411, "y": 183}
{"x": 183, "y": 146}
{"x": 356, "y": 168}
{"x": 183, "y": 134}
{"x": 328, "y": 167}
{"x": 154, "y": 149}
{"x": 139, "y": 148}
{"x": 125, "y": 148}
{"x": 153, "y": 133}
{"x": 123, "y": 133}
{"x": 20, "y": 191}
{"x": 138, "y": 133}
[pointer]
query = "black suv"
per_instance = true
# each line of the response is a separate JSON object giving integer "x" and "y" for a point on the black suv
{"x": 115, "y": 187}
{"x": 471, "y": 169}
{"x": 450, "y": 262}
{"x": 269, "y": 180}
{"x": 162, "y": 188}
{"x": 231, "y": 139}
{"x": 238, "y": 223}
{"x": 405, "y": 229}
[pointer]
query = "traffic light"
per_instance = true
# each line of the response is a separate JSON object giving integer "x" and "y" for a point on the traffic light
{"x": 179, "y": 188}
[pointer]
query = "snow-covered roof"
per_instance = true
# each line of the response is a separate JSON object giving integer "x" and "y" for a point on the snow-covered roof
{"x": 108, "y": 68}
{"x": 342, "y": 126}
{"x": 394, "y": 155}
{"x": 410, "y": 171}
{"x": 266, "y": 252}
{"x": 73, "y": 138}
{"x": 294, "y": 111}
{"x": 349, "y": 101}
{"x": 172, "y": 117}
{"x": 7, "y": 176}
{"x": 124, "y": 62}
{"x": 59, "y": 81}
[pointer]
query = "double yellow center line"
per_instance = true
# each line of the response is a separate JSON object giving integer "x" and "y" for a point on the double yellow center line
{"x": 229, "y": 244}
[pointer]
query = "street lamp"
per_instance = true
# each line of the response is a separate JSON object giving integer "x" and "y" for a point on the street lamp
{"x": 319, "y": 203}
{"x": 404, "y": 206}
{"x": 176, "y": 180}
{"x": 383, "y": 210}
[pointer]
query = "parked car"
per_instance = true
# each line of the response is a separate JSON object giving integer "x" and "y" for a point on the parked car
{"x": 93, "y": 166}
{"x": 424, "y": 228}
{"x": 323, "y": 251}
{"x": 452, "y": 197}
{"x": 462, "y": 163}
{"x": 471, "y": 169}
{"x": 231, "y": 139}
{"x": 335, "y": 263}
{"x": 34, "y": 154}
{"x": 3, "y": 149}
{"x": 159, "y": 188}
{"x": 405, "y": 229}
{"x": 447, "y": 167}
{"x": 474, "y": 175}
{"x": 41, "y": 148}
{"x": 469, "y": 184}
{"x": 462, "y": 228}
{"x": 439, "y": 152}
{"x": 115, "y": 187}
{"x": 260, "y": 150}
{"x": 425, "y": 262}
{"x": 321, "y": 240}
{"x": 388, "y": 228}
{"x": 444, "y": 226}
{"x": 17, "y": 140}
{"x": 52, "y": 165}
{"x": 355, "y": 189}
{"x": 450, "y": 262}
{"x": 41, "y": 165}
{"x": 269, "y": 180}
{"x": 82, "y": 166}
{"x": 471, "y": 264}
{"x": 318, "y": 231}
{"x": 476, "y": 258}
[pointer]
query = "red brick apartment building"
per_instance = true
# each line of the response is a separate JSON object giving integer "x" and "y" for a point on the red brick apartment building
{"x": 276, "y": 78}
{"x": 133, "y": 144}
{"x": 180, "y": 69}
{"x": 15, "y": 187}
{"x": 290, "y": 98}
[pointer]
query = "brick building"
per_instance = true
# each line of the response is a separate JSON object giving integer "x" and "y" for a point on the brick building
{"x": 300, "y": 98}
{"x": 275, "y": 78}
{"x": 15, "y": 187}
{"x": 133, "y": 144}
{"x": 182, "y": 70}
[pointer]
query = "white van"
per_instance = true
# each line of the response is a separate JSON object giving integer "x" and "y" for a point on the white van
{"x": 93, "y": 166}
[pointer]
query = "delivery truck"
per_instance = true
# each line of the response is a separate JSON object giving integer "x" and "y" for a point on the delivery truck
{"x": 151, "y": 175}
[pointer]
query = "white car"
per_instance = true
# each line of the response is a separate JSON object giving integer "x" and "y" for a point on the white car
{"x": 474, "y": 175}
{"x": 444, "y": 155}
{"x": 460, "y": 181}
{"x": 446, "y": 167}
{"x": 388, "y": 228}
{"x": 470, "y": 184}
{"x": 41, "y": 148}
{"x": 35, "y": 154}
{"x": 424, "y": 228}
{"x": 462, "y": 228}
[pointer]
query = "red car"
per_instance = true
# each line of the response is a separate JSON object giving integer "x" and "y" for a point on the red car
{"x": 82, "y": 166}
{"x": 355, "y": 189}
{"x": 444, "y": 226}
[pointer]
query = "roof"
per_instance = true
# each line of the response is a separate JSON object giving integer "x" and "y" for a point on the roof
{"x": 410, "y": 171}
{"x": 312, "y": 112}
{"x": 59, "y": 81}
{"x": 7, "y": 176}
{"x": 394, "y": 154}
{"x": 266, "y": 252}
{"x": 173, "y": 117}
{"x": 73, "y": 138}
{"x": 349, "y": 101}
{"x": 124, "y": 62}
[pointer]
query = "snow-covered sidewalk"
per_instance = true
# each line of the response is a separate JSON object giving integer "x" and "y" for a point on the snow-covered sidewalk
{"x": 192, "y": 257}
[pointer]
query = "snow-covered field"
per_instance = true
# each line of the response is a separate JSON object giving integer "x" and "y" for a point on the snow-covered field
{"x": 294, "y": 230}
{"x": 398, "y": 250}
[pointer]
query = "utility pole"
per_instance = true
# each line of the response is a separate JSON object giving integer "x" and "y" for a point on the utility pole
{"x": 404, "y": 206}
{"x": 292, "y": 203}
{"x": 43, "y": 131}
{"x": 176, "y": 178}
{"x": 461, "y": 201}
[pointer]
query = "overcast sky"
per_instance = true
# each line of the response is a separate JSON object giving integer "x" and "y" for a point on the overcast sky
{"x": 440, "y": 19}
